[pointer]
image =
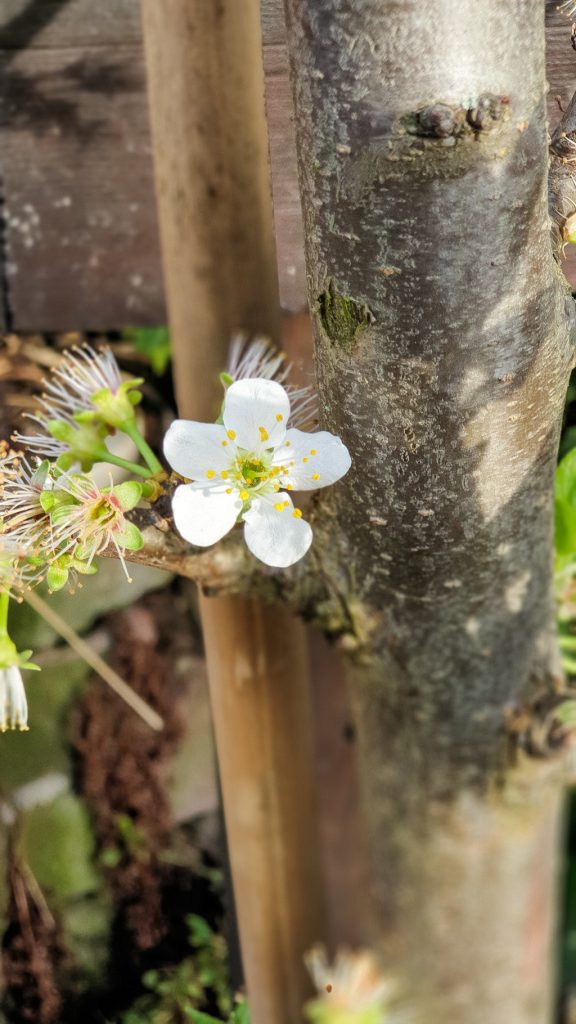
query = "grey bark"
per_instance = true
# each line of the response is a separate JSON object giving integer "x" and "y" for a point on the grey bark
{"x": 443, "y": 352}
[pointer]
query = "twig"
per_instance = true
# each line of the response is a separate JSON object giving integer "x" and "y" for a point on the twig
{"x": 114, "y": 681}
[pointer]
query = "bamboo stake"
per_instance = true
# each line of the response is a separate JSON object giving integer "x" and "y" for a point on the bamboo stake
{"x": 206, "y": 94}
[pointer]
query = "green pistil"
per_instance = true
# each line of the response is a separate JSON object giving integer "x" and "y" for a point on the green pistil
{"x": 253, "y": 473}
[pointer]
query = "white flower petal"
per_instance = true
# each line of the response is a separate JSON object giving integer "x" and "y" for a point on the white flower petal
{"x": 278, "y": 538}
{"x": 13, "y": 706}
{"x": 256, "y": 412}
{"x": 203, "y": 517}
{"x": 311, "y": 460}
{"x": 196, "y": 449}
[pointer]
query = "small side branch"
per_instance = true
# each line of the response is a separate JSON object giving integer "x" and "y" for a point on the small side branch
{"x": 317, "y": 588}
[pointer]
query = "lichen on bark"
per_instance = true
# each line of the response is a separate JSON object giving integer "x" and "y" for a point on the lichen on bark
{"x": 342, "y": 318}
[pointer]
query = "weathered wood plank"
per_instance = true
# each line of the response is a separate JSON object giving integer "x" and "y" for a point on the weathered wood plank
{"x": 80, "y": 219}
{"x": 75, "y": 167}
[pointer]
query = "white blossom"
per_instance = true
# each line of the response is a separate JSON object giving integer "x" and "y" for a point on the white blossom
{"x": 241, "y": 470}
{"x": 13, "y": 704}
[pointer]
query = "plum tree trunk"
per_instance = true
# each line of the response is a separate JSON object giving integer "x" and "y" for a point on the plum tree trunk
{"x": 443, "y": 348}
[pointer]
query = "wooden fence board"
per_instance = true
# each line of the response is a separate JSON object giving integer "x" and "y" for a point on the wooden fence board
{"x": 80, "y": 233}
{"x": 80, "y": 220}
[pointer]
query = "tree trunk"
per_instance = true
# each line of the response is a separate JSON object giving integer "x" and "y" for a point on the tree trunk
{"x": 443, "y": 352}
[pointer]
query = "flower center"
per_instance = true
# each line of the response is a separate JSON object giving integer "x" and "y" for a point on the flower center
{"x": 253, "y": 471}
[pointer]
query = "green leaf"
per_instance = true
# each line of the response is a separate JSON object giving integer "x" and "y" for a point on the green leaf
{"x": 566, "y": 712}
{"x": 566, "y": 478}
{"x": 241, "y": 1014}
{"x": 200, "y": 1018}
{"x": 564, "y": 526}
{"x": 128, "y": 494}
{"x": 153, "y": 342}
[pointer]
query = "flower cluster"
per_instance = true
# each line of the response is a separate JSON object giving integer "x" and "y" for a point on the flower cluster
{"x": 352, "y": 990}
{"x": 54, "y": 518}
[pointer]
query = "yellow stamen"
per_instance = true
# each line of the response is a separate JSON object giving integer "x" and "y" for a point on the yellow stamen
{"x": 231, "y": 434}
{"x": 313, "y": 451}
{"x": 210, "y": 474}
{"x": 289, "y": 487}
{"x": 224, "y": 444}
{"x": 297, "y": 513}
{"x": 305, "y": 460}
{"x": 279, "y": 506}
{"x": 244, "y": 495}
{"x": 263, "y": 433}
{"x": 228, "y": 490}
{"x": 286, "y": 504}
{"x": 315, "y": 476}
{"x": 224, "y": 474}
{"x": 279, "y": 417}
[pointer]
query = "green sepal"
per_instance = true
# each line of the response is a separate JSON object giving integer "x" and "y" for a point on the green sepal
{"x": 10, "y": 656}
{"x": 8, "y": 652}
{"x": 57, "y": 577}
{"x": 320, "y": 1011}
{"x": 47, "y": 500}
{"x": 84, "y": 441}
{"x": 130, "y": 537}
{"x": 127, "y": 494}
{"x": 40, "y": 474}
{"x": 83, "y": 567}
{"x": 116, "y": 409}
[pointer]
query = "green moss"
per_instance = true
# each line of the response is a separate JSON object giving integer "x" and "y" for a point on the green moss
{"x": 342, "y": 318}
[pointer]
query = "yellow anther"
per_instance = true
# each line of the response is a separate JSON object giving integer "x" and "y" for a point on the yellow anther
{"x": 289, "y": 487}
{"x": 224, "y": 444}
{"x": 279, "y": 417}
{"x": 228, "y": 490}
{"x": 231, "y": 434}
{"x": 305, "y": 459}
{"x": 263, "y": 433}
{"x": 279, "y": 506}
{"x": 297, "y": 513}
{"x": 276, "y": 487}
{"x": 244, "y": 495}
{"x": 210, "y": 474}
{"x": 313, "y": 451}
{"x": 286, "y": 504}
{"x": 224, "y": 474}
{"x": 315, "y": 476}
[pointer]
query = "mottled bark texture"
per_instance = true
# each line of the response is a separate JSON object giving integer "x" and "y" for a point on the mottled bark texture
{"x": 443, "y": 353}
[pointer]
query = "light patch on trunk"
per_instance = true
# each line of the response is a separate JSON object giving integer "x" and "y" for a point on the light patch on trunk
{"x": 516, "y": 592}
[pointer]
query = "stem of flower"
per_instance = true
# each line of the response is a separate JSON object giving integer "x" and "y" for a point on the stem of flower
{"x": 103, "y": 455}
{"x": 154, "y": 466}
{"x": 4, "y": 606}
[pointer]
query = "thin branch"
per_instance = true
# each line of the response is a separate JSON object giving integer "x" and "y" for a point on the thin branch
{"x": 114, "y": 681}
